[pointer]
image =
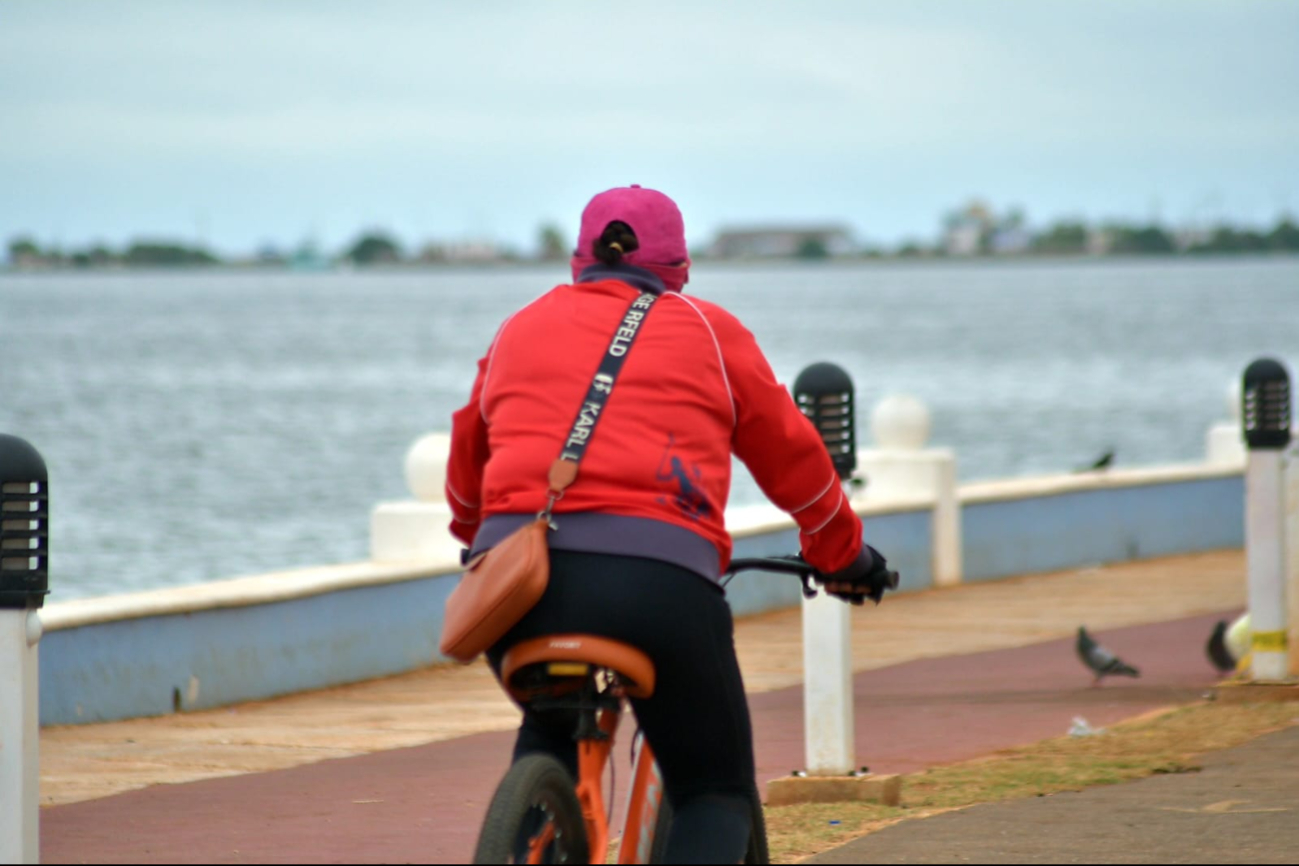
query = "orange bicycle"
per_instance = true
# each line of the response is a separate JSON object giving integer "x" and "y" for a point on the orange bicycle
{"x": 540, "y": 814}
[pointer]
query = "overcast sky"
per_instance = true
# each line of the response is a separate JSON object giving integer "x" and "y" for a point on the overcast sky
{"x": 242, "y": 123}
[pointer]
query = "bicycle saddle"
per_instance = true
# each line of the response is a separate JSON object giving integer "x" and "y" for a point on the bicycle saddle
{"x": 575, "y": 655}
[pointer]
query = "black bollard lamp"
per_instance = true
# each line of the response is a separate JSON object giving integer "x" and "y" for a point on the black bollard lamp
{"x": 1265, "y": 405}
{"x": 24, "y": 525}
{"x": 824, "y": 393}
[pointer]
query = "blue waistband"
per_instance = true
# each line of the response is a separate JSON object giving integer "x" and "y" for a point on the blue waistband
{"x": 593, "y": 532}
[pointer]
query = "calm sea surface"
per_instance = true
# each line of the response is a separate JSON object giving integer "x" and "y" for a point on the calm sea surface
{"x": 205, "y": 426}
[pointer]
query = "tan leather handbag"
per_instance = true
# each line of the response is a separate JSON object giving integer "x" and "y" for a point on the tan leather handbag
{"x": 499, "y": 587}
{"x": 502, "y": 584}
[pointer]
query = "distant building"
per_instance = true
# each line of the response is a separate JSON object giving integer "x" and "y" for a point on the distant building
{"x": 307, "y": 257}
{"x": 966, "y": 231}
{"x": 962, "y": 239}
{"x": 783, "y": 242}
{"x": 1011, "y": 240}
{"x": 28, "y": 261}
{"x": 1186, "y": 238}
{"x": 1099, "y": 241}
{"x": 465, "y": 251}
{"x": 269, "y": 254}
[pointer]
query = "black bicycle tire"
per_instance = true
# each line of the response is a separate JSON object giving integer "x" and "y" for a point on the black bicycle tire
{"x": 756, "y": 852}
{"x": 533, "y": 781}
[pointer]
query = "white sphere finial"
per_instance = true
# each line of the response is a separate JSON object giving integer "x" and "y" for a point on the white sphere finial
{"x": 901, "y": 422}
{"x": 426, "y": 467}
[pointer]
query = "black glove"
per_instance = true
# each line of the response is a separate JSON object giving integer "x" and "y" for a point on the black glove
{"x": 867, "y": 577}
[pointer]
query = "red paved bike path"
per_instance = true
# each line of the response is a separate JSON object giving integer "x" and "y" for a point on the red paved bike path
{"x": 424, "y": 804}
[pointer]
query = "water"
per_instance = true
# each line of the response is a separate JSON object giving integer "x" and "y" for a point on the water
{"x": 205, "y": 426}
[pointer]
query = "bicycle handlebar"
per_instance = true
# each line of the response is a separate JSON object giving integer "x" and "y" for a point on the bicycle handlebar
{"x": 791, "y": 564}
{"x": 782, "y": 564}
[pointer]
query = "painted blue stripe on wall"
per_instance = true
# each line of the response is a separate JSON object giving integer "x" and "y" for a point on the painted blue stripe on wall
{"x": 136, "y": 667}
{"x": 1089, "y": 527}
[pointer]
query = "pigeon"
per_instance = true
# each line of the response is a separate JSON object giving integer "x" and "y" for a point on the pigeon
{"x": 1099, "y": 464}
{"x": 1101, "y": 661}
{"x": 1239, "y": 640}
{"x": 1216, "y": 649}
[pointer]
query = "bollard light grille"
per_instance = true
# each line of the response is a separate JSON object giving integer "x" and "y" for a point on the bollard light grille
{"x": 24, "y": 525}
{"x": 1265, "y": 404}
{"x": 824, "y": 393}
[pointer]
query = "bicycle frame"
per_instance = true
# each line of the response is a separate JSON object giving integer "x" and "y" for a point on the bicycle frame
{"x": 644, "y": 801}
{"x": 645, "y": 797}
{"x": 592, "y": 757}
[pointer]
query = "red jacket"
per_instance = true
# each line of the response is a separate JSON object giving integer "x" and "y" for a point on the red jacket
{"x": 694, "y": 389}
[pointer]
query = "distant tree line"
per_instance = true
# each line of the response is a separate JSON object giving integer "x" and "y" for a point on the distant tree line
{"x": 25, "y": 253}
{"x": 371, "y": 248}
{"x": 1075, "y": 238}
{"x": 974, "y": 230}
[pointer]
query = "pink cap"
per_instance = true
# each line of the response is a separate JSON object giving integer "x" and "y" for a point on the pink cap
{"x": 653, "y": 217}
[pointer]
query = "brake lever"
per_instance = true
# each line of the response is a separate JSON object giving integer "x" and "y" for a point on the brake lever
{"x": 809, "y": 591}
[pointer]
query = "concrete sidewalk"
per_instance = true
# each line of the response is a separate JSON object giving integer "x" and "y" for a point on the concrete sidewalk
{"x": 80, "y": 762}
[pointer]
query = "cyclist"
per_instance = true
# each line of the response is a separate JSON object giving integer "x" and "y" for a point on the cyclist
{"x": 640, "y": 537}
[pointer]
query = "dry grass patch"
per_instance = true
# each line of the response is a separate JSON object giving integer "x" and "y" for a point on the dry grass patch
{"x": 1167, "y": 742}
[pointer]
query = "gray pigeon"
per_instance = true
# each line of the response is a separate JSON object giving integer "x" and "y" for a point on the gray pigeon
{"x": 1101, "y": 661}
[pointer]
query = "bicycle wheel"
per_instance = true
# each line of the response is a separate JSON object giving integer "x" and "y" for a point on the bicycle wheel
{"x": 534, "y": 817}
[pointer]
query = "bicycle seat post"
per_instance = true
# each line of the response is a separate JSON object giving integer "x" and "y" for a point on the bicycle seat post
{"x": 595, "y": 743}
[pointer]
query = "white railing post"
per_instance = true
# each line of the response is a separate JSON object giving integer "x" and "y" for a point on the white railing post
{"x": 828, "y": 722}
{"x": 1290, "y": 462}
{"x": 20, "y": 631}
{"x": 24, "y": 583}
{"x": 1266, "y": 413}
{"x": 824, "y": 393}
{"x": 1223, "y": 442}
{"x": 900, "y": 466}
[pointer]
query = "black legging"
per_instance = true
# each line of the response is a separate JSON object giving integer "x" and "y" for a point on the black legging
{"x": 697, "y": 720}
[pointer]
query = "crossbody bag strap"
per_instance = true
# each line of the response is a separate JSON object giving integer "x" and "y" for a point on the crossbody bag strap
{"x": 564, "y": 470}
